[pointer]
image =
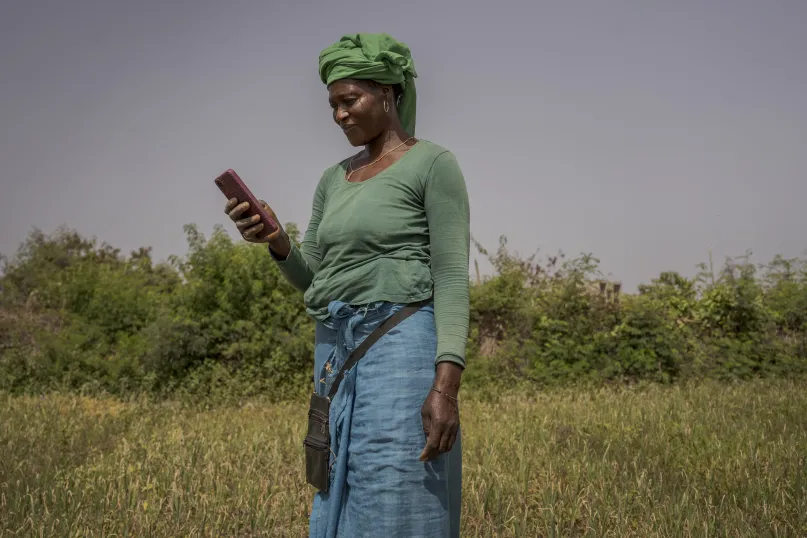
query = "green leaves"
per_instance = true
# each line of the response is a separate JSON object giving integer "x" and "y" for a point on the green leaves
{"x": 553, "y": 323}
{"x": 222, "y": 323}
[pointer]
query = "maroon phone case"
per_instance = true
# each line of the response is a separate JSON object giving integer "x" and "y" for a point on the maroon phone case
{"x": 232, "y": 187}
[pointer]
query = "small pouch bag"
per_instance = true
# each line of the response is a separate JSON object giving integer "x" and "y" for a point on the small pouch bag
{"x": 317, "y": 442}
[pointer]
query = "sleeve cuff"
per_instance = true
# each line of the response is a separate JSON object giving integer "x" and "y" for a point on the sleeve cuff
{"x": 450, "y": 357}
{"x": 294, "y": 255}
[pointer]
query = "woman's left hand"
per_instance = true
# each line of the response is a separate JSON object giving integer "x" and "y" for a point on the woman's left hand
{"x": 440, "y": 412}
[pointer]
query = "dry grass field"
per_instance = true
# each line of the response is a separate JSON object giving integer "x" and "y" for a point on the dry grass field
{"x": 707, "y": 460}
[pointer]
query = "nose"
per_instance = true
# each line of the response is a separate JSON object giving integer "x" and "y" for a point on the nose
{"x": 340, "y": 115}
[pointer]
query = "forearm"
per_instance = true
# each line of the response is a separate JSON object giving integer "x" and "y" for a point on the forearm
{"x": 295, "y": 269}
{"x": 451, "y": 308}
{"x": 299, "y": 265}
{"x": 294, "y": 266}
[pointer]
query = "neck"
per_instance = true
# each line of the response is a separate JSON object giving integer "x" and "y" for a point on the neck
{"x": 386, "y": 141}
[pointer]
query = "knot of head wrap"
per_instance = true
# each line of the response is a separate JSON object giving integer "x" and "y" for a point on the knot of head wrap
{"x": 377, "y": 57}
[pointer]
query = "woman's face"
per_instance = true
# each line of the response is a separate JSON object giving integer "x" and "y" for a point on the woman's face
{"x": 358, "y": 108}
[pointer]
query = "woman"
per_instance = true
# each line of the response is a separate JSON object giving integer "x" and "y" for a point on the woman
{"x": 389, "y": 227}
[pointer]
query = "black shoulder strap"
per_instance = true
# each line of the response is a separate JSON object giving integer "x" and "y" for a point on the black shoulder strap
{"x": 371, "y": 339}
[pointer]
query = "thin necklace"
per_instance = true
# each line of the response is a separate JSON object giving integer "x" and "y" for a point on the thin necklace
{"x": 350, "y": 164}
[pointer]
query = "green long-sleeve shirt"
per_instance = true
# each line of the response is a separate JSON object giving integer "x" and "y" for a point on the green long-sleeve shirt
{"x": 399, "y": 236}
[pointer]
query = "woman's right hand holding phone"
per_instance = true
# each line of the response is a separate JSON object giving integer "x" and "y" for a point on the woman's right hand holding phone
{"x": 250, "y": 226}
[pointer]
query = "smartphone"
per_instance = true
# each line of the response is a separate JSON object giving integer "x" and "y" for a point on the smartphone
{"x": 231, "y": 185}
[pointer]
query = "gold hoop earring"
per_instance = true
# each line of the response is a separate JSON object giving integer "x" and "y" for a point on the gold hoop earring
{"x": 386, "y": 105}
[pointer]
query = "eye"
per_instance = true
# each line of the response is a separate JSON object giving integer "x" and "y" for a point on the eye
{"x": 350, "y": 101}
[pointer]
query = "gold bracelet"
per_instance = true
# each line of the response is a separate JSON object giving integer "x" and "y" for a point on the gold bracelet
{"x": 446, "y": 395}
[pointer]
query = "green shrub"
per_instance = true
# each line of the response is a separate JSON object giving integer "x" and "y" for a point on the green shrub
{"x": 221, "y": 323}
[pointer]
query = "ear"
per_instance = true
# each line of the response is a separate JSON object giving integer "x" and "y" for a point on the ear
{"x": 388, "y": 95}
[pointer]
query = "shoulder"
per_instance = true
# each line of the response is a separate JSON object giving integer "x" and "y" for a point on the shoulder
{"x": 427, "y": 159}
{"x": 334, "y": 170}
{"x": 442, "y": 177}
{"x": 438, "y": 161}
{"x": 432, "y": 151}
{"x": 330, "y": 175}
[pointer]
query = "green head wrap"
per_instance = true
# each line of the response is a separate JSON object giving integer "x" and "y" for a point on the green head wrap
{"x": 377, "y": 57}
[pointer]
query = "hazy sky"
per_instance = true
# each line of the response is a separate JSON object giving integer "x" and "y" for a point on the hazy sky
{"x": 644, "y": 132}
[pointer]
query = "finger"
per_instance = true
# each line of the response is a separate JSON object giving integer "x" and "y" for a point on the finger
{"x": 426, "y": 418}
{"x": 453, "y": 438}
{"x": 447, "y": 441}
{"x": 431, "y": 450}
{"x": 274, "y": 235}
{"x": 238, "y": 210}
{"x": 249, "y": 221}
{"x": 250, "y": 233}
{"x": 231, "y": 203}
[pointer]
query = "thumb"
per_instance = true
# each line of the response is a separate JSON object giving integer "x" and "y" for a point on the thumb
{"x": 425, "y": 415}
{"x": 431, "y": 450}
{"x": 433, "y": 431}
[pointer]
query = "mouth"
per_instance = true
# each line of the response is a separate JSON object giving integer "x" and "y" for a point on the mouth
{"x": 346, "y": 128}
